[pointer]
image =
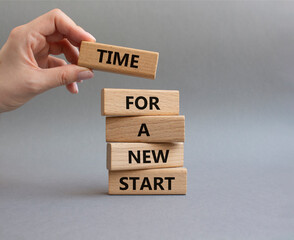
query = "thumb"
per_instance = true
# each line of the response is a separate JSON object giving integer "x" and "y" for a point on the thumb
{"x": 64, "y": 75}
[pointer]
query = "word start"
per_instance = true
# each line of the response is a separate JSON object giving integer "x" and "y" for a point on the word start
{"x": 145, "y": 183}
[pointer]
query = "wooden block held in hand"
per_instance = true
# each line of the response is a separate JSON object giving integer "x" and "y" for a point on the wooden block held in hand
{"x": 118, "y": 59}
{"x": 133, "y": 102}
{"x": 145, "y": 129}
{"x": 150, "y": 181}
{"x": 131, "y": 156}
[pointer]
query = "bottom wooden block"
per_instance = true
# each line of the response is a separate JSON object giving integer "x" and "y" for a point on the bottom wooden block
{"x": 150, "y": 181}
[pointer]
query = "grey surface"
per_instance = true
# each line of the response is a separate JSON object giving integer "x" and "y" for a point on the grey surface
{"x": 234, "y": 66}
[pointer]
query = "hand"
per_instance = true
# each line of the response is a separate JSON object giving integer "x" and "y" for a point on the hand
{"x": 26, "y": 66}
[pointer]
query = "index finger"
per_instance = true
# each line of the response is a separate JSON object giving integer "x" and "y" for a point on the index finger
{"x": 57, "y": 21}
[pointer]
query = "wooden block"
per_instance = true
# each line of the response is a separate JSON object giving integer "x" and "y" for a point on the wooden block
{"x": 145, "y": 129}
{"x": 118, "y": 59}
{"x": 128, "y": 102}
{"x": 131, "y": 156}
{"x": 150, "y": 181}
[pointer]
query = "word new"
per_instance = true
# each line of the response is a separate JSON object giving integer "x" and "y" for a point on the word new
{"x": 145, "y": 183}
{"x": 115, "y": 58}
{"x": 146, "y": 155}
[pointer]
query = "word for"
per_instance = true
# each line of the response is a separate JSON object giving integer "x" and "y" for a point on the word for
{"x": 145, "y": 156}
{"x": 115, "y": 58}
{"x": 144, "y": 102}
{"x": 145, "y": 183}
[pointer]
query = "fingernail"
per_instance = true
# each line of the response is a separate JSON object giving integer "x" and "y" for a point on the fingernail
{"x": 91, "y": 36}
{"x": 80, "y": 81}
{"x": 76, "y": 88}
{"x": 85, "y": 75}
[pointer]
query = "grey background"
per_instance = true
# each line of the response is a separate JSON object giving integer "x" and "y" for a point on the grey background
{"x": 233, "y": 63}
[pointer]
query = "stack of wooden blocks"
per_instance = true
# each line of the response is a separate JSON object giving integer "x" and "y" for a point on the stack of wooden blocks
{"x": 144, "y": 131}
{"x": 145, "y": 135}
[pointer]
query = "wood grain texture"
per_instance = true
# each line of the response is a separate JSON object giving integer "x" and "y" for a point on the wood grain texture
{"x": 118, "y": 59}
{"x": 132, "y": 156}
{"x": 150, "y": 181}
{"x": 160, "y": 129}
{"x": 134, "y": 102}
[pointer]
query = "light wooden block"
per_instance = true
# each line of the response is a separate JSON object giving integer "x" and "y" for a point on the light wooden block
{"x": 128, "y": 102}
{"x": 150, "y": 181}
{"x": 118, "y": 59}
{"x": 145, "y": 129}
{"x": 132, "y": 156}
